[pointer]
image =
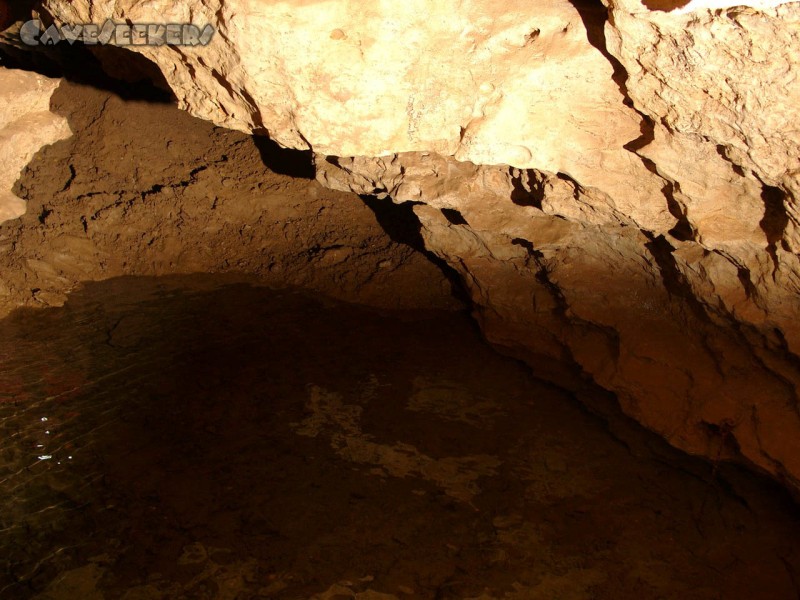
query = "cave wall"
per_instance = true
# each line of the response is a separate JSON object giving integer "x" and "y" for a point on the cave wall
{"x": 114, "y": 200}
{"x": 616, "y": 184}
{"x": 26, "y": 124}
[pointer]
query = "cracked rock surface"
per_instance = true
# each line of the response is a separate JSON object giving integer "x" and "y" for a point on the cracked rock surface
{"x": 116, "y": 199}
{"x": 556, "y": 275}
{"x": 617, "y": 184}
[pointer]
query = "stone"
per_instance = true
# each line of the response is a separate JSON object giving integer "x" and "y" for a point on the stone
{"x": 116, "y": 200}
{"x": 482, "y": 83}
{"x": 26, "y": 125}
{"x": 617, "y": 185}
{"x": 651, "y": 321}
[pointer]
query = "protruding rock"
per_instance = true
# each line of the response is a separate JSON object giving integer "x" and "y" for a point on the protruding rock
{"x": 26, "y": 124}
{"x": 623, "y": 194}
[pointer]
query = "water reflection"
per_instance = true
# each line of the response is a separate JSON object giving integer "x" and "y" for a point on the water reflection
{"x": 198, "y": 437}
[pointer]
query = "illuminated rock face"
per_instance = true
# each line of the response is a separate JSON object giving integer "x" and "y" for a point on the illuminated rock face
{"x": 620, "y": 194}
{"x": 515, "y": 84}
{"x": 26, "y": 124}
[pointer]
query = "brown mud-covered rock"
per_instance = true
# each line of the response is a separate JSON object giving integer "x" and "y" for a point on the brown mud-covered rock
{"x": 145, "y": 189}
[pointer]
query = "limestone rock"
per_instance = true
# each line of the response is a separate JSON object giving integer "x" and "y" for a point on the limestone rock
{"x": 723, "y": 83}
{"x": 720, "y": 94}
{"x": 618, "y": 189}
{"x": 26, "y": 124}
{"x": 555, "y": 274}
{"x": 516, "y": 84}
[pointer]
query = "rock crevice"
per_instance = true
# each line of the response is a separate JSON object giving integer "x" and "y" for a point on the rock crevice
{"x": 616, "y": 185}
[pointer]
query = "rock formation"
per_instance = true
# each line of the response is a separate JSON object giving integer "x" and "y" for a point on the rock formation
{"x": 115, "y": 200}
{"x": 616, "y": 184}
{"x": 26, "y": 124}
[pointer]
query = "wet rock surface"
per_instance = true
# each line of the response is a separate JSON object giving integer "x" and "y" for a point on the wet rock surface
{"x": 202, "y": 437}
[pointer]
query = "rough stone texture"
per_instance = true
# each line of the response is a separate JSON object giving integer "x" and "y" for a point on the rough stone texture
{"x": 116, "y": 200}
{"x": 645, "y": 224}
{"x": 721, "y": 98}
{"x": 558, "y": 276}
{"x": 695, "y": 326}
{"x": 459, "y": 78}
{"x": 26, "y": 124}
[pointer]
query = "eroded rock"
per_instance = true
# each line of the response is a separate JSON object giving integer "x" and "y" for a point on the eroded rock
{"x": 620, "y": 194}
{"x": 117, "y": 200}
{"x": 26, "y": 124}
{"x": 555, "y": 276}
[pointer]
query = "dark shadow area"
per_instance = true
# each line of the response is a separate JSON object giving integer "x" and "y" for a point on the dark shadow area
{"x": 16, "y": 10}
{"x": 775, "y": 220}
{"x": 523, "y": 197}
{"x": 683, "y": 230}
{"x": 397, "y": 220}
{"x": 647, "y": 129}
{"x": 665, "y": 5}
{"x": 528, "y": 245}
{"x": 594, "y": 16}
{"x": 134, "y": 76}
{"x": 724, "y": 155}
{"x": 176, "y": 437}
{"x": 285, "y": 161}
{"x": 402, "y": 226}
{"x": 454, "y": 217}
{"x": 775, "y": 216}
{"x": 673, "y": 279}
